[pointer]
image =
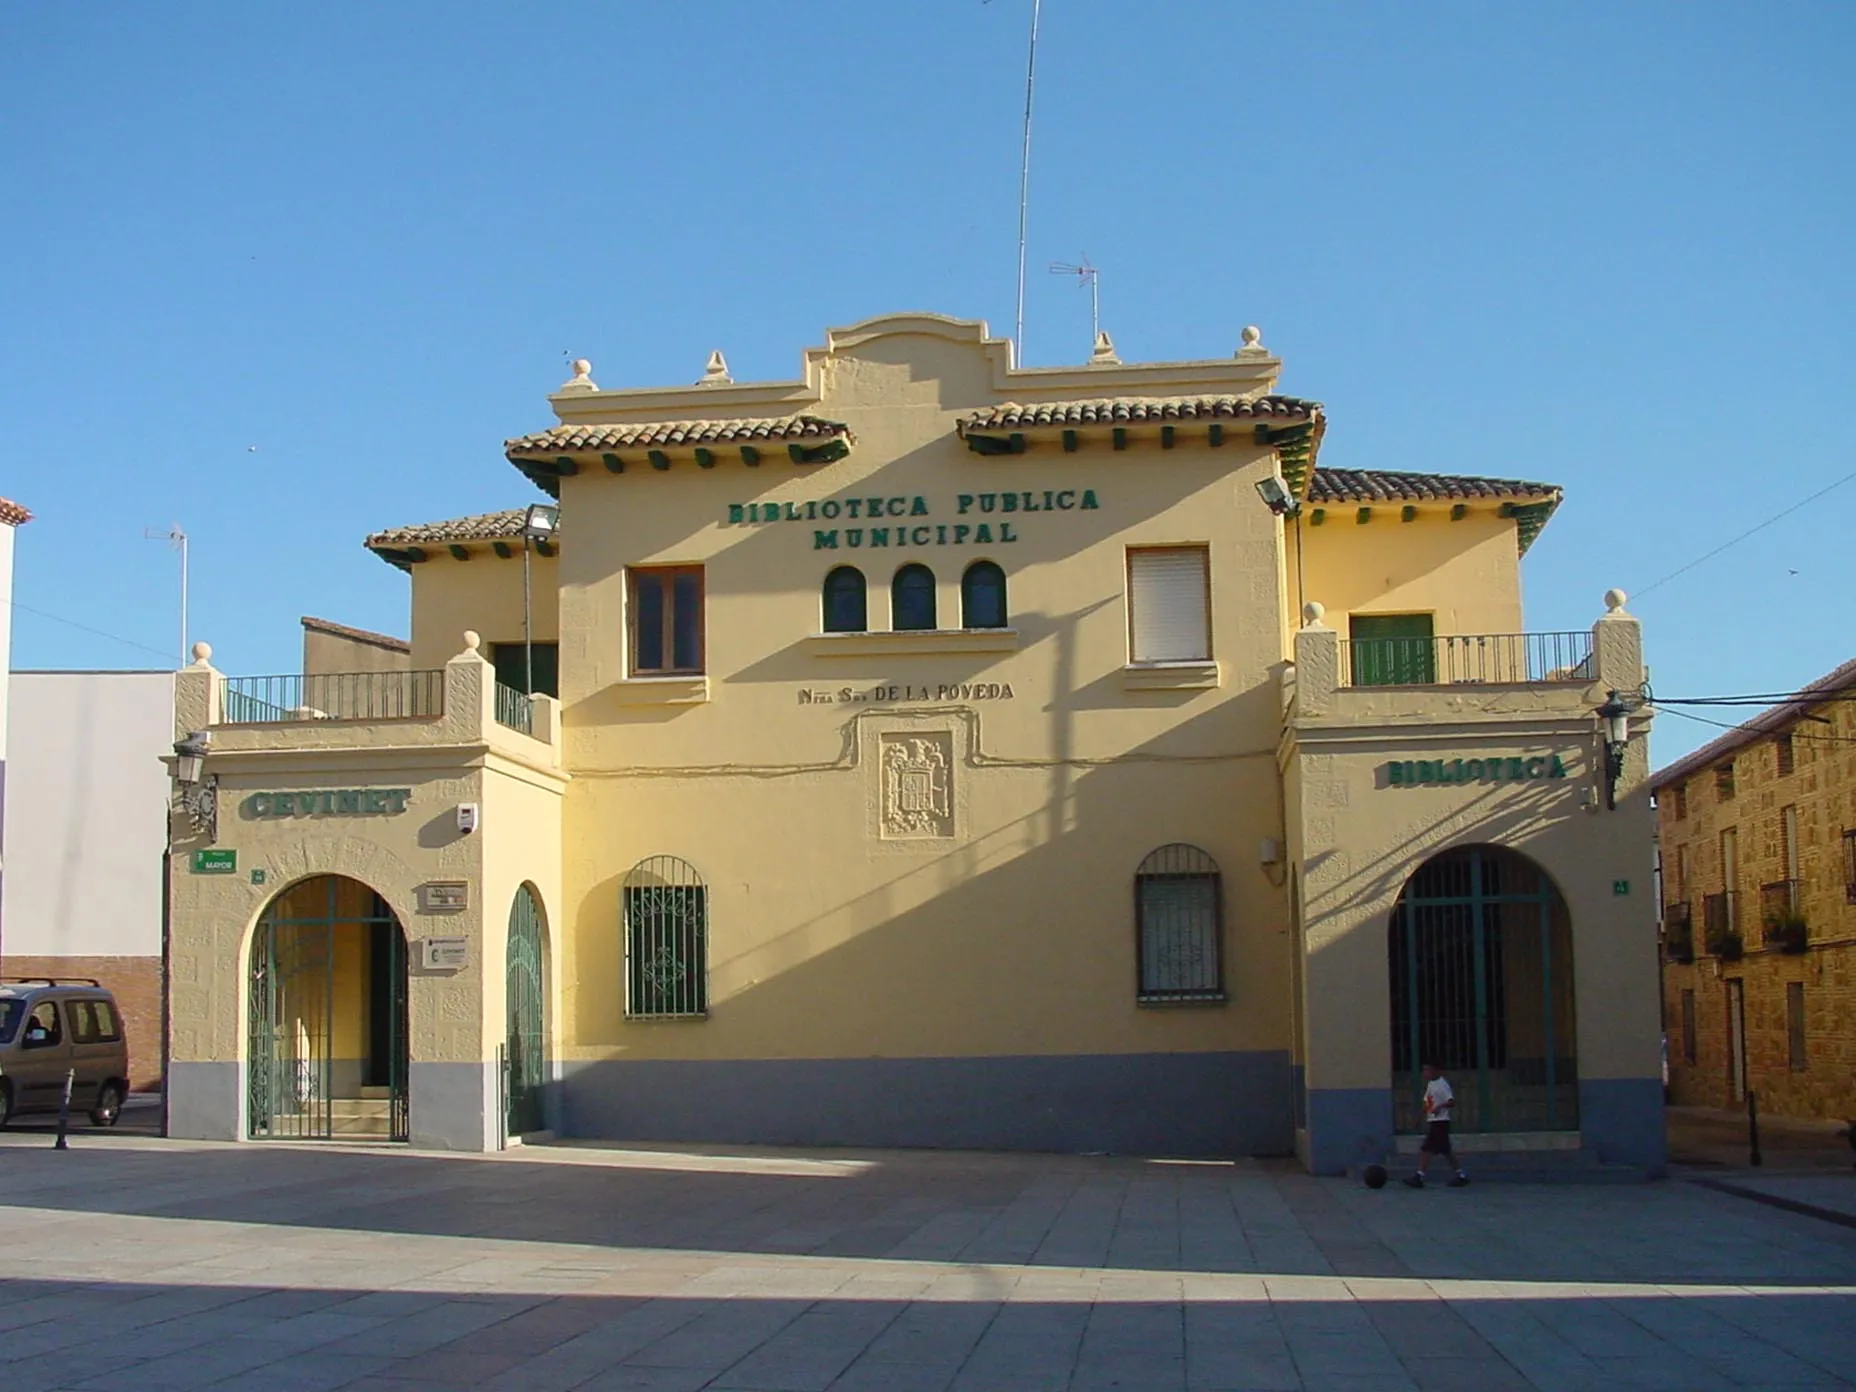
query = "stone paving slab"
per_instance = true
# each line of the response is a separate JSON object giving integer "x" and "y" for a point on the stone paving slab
{"x": 577, "y": 1268}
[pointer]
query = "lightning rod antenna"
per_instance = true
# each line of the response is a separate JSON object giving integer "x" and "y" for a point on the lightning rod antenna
{"x": 1024, "y": 183}
{"x": 177, "y": 539}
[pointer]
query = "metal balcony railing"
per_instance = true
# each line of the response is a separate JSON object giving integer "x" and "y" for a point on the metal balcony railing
{"x": 1466, "y": 659}
{"x": 516, "y": 709}
{"x": 334, "y": 696}
{"x": 1720, "y": 915}
{"x": 1778, "y": 901}
{"x": 1678, "y": 932}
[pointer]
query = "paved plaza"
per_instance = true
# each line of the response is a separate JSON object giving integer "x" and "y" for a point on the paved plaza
{"x": 137, "y": 1265}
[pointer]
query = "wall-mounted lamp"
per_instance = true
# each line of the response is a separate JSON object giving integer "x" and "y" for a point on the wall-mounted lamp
{"x": 539, "y": 523}
{"x": 1277, "y": 498}
{"x": 1614, "y": 715}
{"x": 198, "y": 790}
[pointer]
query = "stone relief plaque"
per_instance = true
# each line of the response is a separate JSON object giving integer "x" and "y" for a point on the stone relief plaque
{"x": 918, "y": 785}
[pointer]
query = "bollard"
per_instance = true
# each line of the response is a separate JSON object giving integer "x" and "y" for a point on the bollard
{"x": 1752, "y": 1128}
{"x": 64, "y": 1111}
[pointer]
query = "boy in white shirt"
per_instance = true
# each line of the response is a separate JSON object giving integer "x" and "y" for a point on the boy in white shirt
{"x": 1439, "y": 1101}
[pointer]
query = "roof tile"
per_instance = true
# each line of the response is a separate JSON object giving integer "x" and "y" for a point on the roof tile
{"x": 484, "y": 526}
{"x": 12, "y": 514}
{"x": 1133, "y": 409}
{"x": 571, "y": 439}
{"x": 1380, "y": 485}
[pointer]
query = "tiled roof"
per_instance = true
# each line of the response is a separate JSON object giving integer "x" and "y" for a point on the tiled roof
{"x": 1381, "y": 486}
{"x": 572, "y": 439}
{"x": 357, "y": 635}
{"x": 12, "y": 513}
{"x": 1124, "y": 410}
{"x": 485, "y": 526}
{"x": 1768, "y": 722}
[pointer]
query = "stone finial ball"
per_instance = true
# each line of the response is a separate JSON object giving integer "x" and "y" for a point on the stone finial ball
{"x": 202, "y": 653}
{"x": 582, "y": 367}
{"x": 1252, "y": 335}
{"x": 1614, "y": 599}
{"x": 472, "y": 640}
{"x": 1312, "y": 612}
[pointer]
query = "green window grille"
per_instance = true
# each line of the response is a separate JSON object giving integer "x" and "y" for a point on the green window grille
{"x": 1179, "y": 926}
{"x": 1391, "y": 650}
{"x": 982, "y": 596}
{"x": 526, "y": 1055}
{"x": 846, "y": 605}
{"x": 911, "y": 599}
{"x": 666, "y": 907}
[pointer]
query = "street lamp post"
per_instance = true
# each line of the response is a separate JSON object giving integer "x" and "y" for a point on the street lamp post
{"x": 539, "y": 523}
{"x": 1615, "y": 715}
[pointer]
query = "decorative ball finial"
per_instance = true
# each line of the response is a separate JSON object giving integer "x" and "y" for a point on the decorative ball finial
{"x": 1312, "y": 612}
{"x": 582, "y": 380}
{"x": 582, "y": 368}
{"x": 1253, "y": 336}
{"x": 472, "y": 640}
{"x": 1614, "y": 601}
{"x": 202, "y": 654}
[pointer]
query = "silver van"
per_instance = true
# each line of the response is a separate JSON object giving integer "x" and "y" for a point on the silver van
{"x": 52, "y": 1028}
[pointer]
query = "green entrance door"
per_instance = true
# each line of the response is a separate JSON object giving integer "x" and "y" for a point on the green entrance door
{"x": 1480, "y": 964}
{"x": 1391, "y": 650}
{"x": 526, "y": 1058}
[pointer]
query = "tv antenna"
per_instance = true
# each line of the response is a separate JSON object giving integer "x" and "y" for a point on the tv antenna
{"x": 177, "y": 539}
{"x": 1024, "y": 183}
{"x": 1085, "y": 274}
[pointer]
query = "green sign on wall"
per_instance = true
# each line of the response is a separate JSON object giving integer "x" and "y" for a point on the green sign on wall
{"x": 215, "y": 862}
{"x": 1412, "y": 772}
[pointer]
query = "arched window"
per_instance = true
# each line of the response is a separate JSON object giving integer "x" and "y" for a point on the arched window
{"x": 1179, "y": 925}
{"x": 982, "y": 596}
{"x": 845, "y": 607}
{"x": 666, "y": 939}
{"x": 911, "y": 598}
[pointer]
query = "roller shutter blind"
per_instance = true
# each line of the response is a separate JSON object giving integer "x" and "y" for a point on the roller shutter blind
{"x": 1169, "y": 605}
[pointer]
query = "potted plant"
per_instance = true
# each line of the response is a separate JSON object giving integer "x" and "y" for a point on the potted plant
{"x": 1787, "y": 932}
{"x": 1679, "y": 947}
{"x": 1727, "y": 945}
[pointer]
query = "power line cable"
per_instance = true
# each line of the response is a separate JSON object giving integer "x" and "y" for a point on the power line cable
{"x": 162, "y": 653}
{"x": 1795, "y": 734}
{"x": 1759, "y": 527}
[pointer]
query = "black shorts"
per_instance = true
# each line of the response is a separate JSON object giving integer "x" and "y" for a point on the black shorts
{"x": 1436, "y": 1138}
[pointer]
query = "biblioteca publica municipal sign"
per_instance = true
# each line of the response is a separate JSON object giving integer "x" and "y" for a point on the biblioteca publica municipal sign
{"x": 973, "y": 507}
{"x": 1411, "y": 772}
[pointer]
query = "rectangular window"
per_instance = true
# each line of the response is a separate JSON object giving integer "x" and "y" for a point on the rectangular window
{"x": 1794, "y": 1023}
{"x": 1688, "y": 1026}
{"x": 1680, "y": 887}
{"x": 1169, "y": 604}
{"x": 1391, "y": 650}
{"x": 1179, "y": 931}
{"x": 1680, "y": 795}
{"x": 1783, "y": 745}
{"x": 1849, "y": 866}
{"x": 1724, "y": 780}
{"x": 666, "y": 621}
{"x": 511, "y": 663}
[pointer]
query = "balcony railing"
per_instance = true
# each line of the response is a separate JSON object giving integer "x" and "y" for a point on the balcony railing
{"x": 516, "y": 709}
{"x": 1782, "y": 924}
{"x": 334, "y": 696}
{"x": 1721, "y": 922}
{"x": 1678, "y": 932}
{"x": 1467, "y": 659}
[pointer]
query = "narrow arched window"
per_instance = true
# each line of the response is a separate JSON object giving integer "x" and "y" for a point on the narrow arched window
{"x": 1178, "y": 926}
{"x": 666, "y": 939}
{"x": 845, "y": 608}
{"x": 982, "y": 596}
{"x": 911, "y": 598}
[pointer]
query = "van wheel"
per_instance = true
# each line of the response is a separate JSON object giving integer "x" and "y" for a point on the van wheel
{"x": 109, "y": 1105}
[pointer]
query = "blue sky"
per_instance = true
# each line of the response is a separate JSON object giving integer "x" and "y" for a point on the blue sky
{"x": 1605, "y": 246}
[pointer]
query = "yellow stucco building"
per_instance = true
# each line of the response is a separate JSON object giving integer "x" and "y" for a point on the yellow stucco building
{"x": 930, "y": 751}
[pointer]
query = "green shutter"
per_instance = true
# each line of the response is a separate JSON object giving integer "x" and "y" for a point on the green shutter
{"x": 1392, "y": 650}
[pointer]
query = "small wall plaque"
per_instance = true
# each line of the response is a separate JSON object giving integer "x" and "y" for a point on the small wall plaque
{"x": 214, "y": 862}
{"x": 445, "y": 896}
{"x": 444, "y": 954}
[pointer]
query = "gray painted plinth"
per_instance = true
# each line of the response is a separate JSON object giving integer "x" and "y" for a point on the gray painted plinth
{"x": 1622, "y": 1120}
{"x": 204, "y": 1102}
{"x": 1207, "y": 1104}
{"x": 1347, "y": 1126}
{"x": 452, "y": 1106}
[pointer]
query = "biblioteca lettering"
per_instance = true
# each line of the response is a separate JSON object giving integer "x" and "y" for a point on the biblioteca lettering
{"x": 902, "y": 691}
{"x": 872, "y": 510}
{"x": 1493, "y": 770}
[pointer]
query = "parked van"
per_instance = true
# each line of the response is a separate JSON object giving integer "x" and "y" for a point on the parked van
{"x": 52, "y": 1029}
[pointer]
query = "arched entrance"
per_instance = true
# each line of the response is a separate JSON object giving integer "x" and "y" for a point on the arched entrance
{"x": 326, "y": 1054}
{"x": 1480, "y": 955}
{"x": 526, "y": 1059}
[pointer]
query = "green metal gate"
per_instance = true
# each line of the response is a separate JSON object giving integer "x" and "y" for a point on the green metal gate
{"x": 1480, "y": 958}
{"x": 526, "y": 1059}
{"x": 313, "y": 1053}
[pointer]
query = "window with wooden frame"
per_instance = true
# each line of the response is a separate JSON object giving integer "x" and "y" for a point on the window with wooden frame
{"x": 1179, "y": 926}
{"x": 666, "y": 620}
{"x": 1169, "y": 604}
{"x": 1782, "y": 747}
{"x": 1679, "y": 796}
{"x": 1849, "y": 866}
{"x": 1724, "y": 780}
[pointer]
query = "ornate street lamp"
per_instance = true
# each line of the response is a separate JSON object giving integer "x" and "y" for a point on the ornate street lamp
{"x": 1614, "y": 715}
{"x": 198, "y": 790}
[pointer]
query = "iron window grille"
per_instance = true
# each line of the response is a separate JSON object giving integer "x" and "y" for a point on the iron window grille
{"x": 666, "y": 621}
{"x": 1179, "y": 926}
{"x": 982, "y": 596}
{"x": 846, "y": 604}
{"x": 666, "y": 907}
{"x": 911, "y": 599}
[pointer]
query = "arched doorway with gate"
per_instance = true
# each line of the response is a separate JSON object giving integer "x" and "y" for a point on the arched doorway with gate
{"x": 1480, "y": 962}
{"x": 326, "y": 1047}
{"x": 525, "y": 1056}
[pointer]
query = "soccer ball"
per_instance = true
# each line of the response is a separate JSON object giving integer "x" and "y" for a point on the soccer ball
{"x": 1375, "y": 1176}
